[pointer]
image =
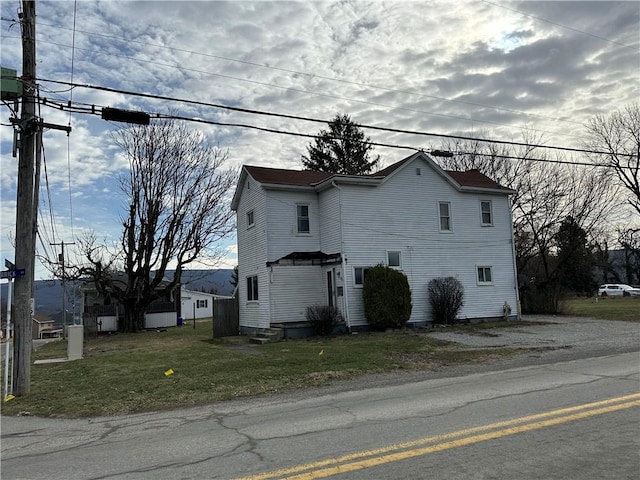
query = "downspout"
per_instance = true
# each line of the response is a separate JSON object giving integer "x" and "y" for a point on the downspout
{"x": 513, "y": 258}
{"x": 343, "y": 260}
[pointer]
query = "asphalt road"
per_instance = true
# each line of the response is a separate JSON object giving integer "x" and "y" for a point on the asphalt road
{"x": 575, "y": 418}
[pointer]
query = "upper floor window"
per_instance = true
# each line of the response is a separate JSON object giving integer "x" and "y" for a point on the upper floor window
{"x": 250, "y": 222}
{"x": 302, "y": 212}
{"x": 486, "y": 212}
{"x": 252, "y": 288}
{"x": 394, "y": 259}
{"x": 485, "y": 275}
{"x": 444, "y": 210}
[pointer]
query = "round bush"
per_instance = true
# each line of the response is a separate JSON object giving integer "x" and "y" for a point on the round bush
{"x": 387, "y": 298}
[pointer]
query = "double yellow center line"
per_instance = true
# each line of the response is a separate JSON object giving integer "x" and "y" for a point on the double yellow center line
{"x": 401, "y": 451}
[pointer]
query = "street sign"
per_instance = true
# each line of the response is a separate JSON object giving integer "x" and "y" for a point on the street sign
{"x": 9, "y": 265}
{"x": 12, "y": 273}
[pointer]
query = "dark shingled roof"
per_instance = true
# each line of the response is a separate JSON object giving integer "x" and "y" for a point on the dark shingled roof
{"x": 281, "y": 176}
{"x": 473, "y": 178}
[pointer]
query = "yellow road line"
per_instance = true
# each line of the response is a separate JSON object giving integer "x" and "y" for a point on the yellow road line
{"x": 385, "y": 455}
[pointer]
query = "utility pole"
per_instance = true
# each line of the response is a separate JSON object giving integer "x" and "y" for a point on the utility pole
{"x": 26, "y": 211}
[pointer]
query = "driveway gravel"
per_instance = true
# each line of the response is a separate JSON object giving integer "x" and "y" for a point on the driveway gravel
{"x": 560, "y": 332}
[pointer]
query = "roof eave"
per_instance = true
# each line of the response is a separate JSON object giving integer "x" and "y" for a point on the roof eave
{"x": 348, "y": 180}
{"x": 239, "y": 187}
{"x": 501, "y": 191}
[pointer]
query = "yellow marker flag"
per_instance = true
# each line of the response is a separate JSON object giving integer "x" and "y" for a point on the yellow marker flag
{"x": 168, "y": 372}
{"x": 321, "y": 353}
{"x": 9, "y": 397}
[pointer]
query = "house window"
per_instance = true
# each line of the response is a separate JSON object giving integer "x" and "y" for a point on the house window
{"x": 250, "y": 219}
{"x": 302, "y": 218}
{"x": 394, "y": 259}
{"x": 486, "y": 213}
{"x": 359, "y": 274}
{"x": 444, "y": 209}
{"x": 252, "y": 288}
{"x": 201, "y": 303}
{"x": 485, "y": 275}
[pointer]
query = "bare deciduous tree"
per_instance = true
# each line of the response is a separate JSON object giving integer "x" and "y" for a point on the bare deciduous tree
{"x": 619, "y": 135}
{"x": 178, "y": 209}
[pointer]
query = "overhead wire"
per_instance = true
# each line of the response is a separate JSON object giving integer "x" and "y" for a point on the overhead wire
{"x": 322, "y": 121}
{"x": 325, "y": 95}
{"x": 93, "y": 111}
{"x": 311, "y": 75}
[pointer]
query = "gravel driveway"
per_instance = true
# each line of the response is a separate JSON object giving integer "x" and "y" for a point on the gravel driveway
{"x": 580, "y": 333}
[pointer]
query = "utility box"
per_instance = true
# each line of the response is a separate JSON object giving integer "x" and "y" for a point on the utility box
{"x": 10, "y": 86}
{"x": 75, "y": 338}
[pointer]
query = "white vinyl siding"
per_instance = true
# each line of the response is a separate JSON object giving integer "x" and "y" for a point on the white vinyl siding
{"x": 399, "y": 215}
{"x": 383, "y": 218}
{"x": 282, "y": 234}
{"x": 293, "y": 288}
{"x": 252, "y": 255}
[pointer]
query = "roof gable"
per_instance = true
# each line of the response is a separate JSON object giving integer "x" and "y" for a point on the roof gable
{"x": 469, "y": 180}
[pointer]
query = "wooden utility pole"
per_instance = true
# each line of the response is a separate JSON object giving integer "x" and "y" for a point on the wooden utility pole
{"x": 26, "y": 210}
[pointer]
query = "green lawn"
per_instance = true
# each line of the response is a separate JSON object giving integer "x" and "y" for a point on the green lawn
{"x": 611, "y": 308}
{"x": 125, "y": 373}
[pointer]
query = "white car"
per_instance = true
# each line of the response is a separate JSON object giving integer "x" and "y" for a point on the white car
{"x": 618, "y": 289}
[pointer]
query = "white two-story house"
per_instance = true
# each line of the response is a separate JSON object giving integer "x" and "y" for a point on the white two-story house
{"x": 307, "y": 238}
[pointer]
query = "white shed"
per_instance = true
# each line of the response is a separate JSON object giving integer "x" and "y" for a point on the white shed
{"x": 196, "y": 305}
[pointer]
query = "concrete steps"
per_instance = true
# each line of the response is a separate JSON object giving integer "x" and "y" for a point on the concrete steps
{"x": 270, "y": 335}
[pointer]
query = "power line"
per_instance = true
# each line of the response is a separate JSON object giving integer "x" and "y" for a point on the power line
{"x": 298, "y": 72}
{"x": 325, "y": 95}
{"x": 93, "y": 111}
{"x": 315, "y": 120}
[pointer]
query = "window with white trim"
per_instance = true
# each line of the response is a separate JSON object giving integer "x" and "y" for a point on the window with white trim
{"x": 302, "y": 218}
{"x": 202, "y": 303}
{"x": 252, "y": 288}
{"x": 250, "y": 219}
{"x": 359, "y": 274}
{"x": 394, "y": 259}
{"x": 444, "y": 212}
{"x": 485, "y": 275}
{"x": 486, "y": 213}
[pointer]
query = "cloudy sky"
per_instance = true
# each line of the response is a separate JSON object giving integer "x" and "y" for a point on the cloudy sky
{"x": 445, "y": 67}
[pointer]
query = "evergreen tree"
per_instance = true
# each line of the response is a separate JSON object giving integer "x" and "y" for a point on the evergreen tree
{"x": 343, "y": 149}
{"x": 575, "y": 259}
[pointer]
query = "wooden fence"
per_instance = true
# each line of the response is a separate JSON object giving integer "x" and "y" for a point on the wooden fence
{"x": 226, "y": 317}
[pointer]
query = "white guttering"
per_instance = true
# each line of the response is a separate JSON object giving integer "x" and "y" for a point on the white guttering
{"x": 345, "y": 290}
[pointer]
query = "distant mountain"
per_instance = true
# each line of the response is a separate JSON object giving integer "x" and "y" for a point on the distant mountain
{"x": 48, "y": 293}
{"x": 212, "y": 281}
